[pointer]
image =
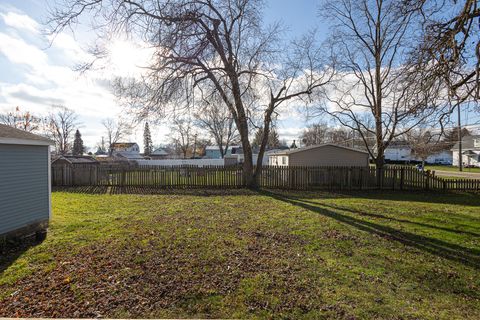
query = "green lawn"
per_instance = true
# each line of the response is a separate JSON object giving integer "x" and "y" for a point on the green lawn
{"x": 251, "y": 255}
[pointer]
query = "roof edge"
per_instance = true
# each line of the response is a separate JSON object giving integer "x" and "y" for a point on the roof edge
{"x": 27, "y": 142}
{"x": 287, "y": 152}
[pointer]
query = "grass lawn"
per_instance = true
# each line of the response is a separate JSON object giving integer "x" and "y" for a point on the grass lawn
{"x": 251, "y": 255}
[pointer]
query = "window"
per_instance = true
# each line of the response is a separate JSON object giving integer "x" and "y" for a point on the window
{"x": 476, "y": 143}
{"x": 284, "y": 160}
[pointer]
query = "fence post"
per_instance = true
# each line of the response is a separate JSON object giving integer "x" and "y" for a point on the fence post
{"x": 122, "y": 180}
{"x": 427, "y": 182}
{"x": 73, "y": 171}
{"x": 349, "y": 178}
{"x": 394, "y": 182}
{"x": 402, "y": 177}
{"x": 379, "y": 179}
{"x": 361, "y": 178}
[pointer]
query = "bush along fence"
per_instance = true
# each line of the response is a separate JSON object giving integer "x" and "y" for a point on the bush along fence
{"x": 299, "y": 178}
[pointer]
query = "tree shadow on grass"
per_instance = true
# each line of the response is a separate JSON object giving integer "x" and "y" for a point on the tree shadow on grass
{"x": 379, "y": 216}
{"x": 453, "y": 252}
{"x": 452, "y": 198}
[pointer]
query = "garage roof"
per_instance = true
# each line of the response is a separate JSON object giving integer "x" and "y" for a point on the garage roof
{"x": 9, "y": 135}
{"x": 287, "y": 152}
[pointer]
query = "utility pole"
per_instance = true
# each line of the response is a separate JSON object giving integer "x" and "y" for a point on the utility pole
{"x": 460, "y": 156}
{"x": 353, "y": 138}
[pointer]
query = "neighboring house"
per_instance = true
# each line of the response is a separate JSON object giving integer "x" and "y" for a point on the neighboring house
{"x": 25, "y": 203}
{"x": 213, "y": 152}
{"x": 398, "y": 151}
{"x": 240, "y": 157}
{"x": 444, "y": 157}
{"x": 159, "y": 154}
{"x": 320, "y": 155}
{"x": 470, "y": 151}
{"x": 126, "y": 151}
{"x": 62, "y": 174}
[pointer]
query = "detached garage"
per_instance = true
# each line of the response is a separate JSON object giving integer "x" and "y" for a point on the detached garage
{"x": 320, "y": 156}
{"x": 25, "y": 204}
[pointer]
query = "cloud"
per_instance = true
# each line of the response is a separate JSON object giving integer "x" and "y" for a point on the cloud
{"x": 35, "y": 98}
{"x": 69, "y": 47}
{"x": 45, "y": 78}
{"x": 20, "y": 21}
{"x": 18, "y": 51}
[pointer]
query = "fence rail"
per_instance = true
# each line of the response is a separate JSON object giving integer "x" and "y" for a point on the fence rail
{"x": 300, "y": 178}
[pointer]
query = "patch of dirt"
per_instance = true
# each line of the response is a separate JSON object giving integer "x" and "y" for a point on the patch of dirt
{"x": 106, "y": 278}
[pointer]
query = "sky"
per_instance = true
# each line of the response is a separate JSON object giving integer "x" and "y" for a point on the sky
{"x": 37, "y": 73}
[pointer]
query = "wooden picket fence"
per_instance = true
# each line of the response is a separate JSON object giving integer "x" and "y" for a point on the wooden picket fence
{"x": 296, "y": 178}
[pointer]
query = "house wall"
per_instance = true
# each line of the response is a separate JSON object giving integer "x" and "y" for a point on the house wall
{"x": 467, "y": 161}
{"x": 24, "y": 186}
{"x": 212, "y": 154}
{"x": 241, "y": 158}
{"x": 444, "y": 157}
{"x": 398, "y": 154}
{"x": 215, "y": 153}
{"x": 134, "y": 149}
{"x": 328, "y": 156}
{"x": 278, "y": 160}
{"x": 182, "y": 162}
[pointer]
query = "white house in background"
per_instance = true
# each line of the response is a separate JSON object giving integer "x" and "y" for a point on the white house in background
{"x": 444, "y": 157}
{"x": 398, "y": 151}
{"x": 470, "y": 151}
{"x": 126, "y": 151}
{"x": 402, "y": 152}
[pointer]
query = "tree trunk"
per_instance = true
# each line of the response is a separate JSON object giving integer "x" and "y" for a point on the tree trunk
{"x": 242, "y": 126}
{"x": 248, "y": 174}
{"x": 380, "y": 159}
{"x": 266, "y": 132}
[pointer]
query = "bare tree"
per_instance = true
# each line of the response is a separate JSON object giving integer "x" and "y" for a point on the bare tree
{"x": 202, "y": 45}
{"x": 60, "y": 126}
{"x": 424, "y": 143}
{"x": 321, "y": 132}
{"x": 218, "y": 122}
{"x": 315, "y": 134}
{"x": 115, "y": 131}
{"x": 376, "y": 83}
{"x": 101, "y": 148}
{"x": 21, "y": 120}
{"x": 450, "y": 44}
{"x": 182, "y": 134}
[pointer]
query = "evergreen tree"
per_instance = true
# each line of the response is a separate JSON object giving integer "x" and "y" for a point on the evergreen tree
{"x": 147, "y": 140}
{"x": 78, "y": 144}
{"x": 273, "y": 139}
